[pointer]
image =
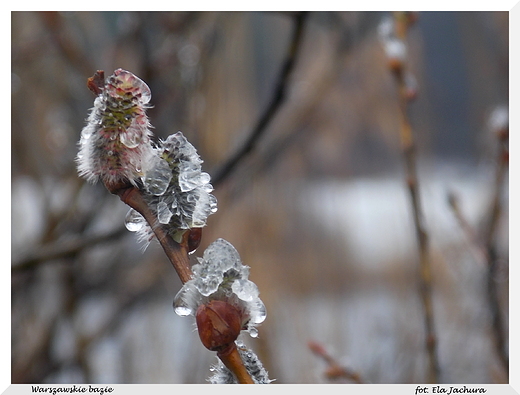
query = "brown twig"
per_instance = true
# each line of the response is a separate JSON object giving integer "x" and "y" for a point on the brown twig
{"x": 485, "y": 247}
{"x": 176, "y": 253}
{"x": 53, "y": 21}
{"x": 334, "y": 369}
{"x": 491, "y": 251}
{"x": 231, "y": 358}
{"x": 408, "y": 147}
{"x": 178, "y": 256}
{"x": 481, "y": 254}
{"x": 486, "y": 255}
{"x": 274, "y": 106}
{"x": 63, "y": 249}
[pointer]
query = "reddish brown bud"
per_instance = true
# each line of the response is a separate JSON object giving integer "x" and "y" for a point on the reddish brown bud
{"x": 219, "y": 324}
{"x": 194, "y": 238}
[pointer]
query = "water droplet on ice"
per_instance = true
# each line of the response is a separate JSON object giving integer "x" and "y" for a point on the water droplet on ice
{"x": 182, "y": 311}
{"x": 187, "y": 299}
{"x": 134, "y": 221}
{"x": 213, "y": 204}
{"x": 258, "y": 312}
{"x": 131, "y": 138}
{"x": 253, "y": 332}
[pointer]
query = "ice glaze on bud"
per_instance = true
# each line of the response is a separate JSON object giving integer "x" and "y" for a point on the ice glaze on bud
{"x": 116, "y": 148}
{"x": 220, "y": 275}
{"x": 115, "y": 144}
{"x": 219, "y": 324}
{"x": 179, "y": 191}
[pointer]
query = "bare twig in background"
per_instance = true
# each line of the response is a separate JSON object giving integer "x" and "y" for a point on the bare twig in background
{"x": 486, "y": 255}
{"x": 477, "y": 249}
{"x": 334, "y": 369}
{"x": 292, "y": 126}
{"x": 489, "y": 241}
{"x": 70, "y": 49}
{"x": 501, "y": 171}
{"x": 273, "y": 107}
{"x": 62, "y": 249}
{"x": 408, "y": 146}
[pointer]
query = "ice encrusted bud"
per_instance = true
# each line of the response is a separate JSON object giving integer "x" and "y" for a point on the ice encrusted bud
{"x": 221, "y": 276}
{"x": 177, "y": 190}
{"x": 115, "y": 144}
{"x": 222, "y": 375}
{"x": 116, "y": 147}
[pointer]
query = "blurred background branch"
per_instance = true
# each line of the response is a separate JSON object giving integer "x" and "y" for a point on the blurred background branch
{"x": 279, "y": 94}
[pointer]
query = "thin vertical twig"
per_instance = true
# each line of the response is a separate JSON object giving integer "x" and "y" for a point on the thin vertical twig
{"x": 489, "y": 242}
{"x": 408, "y": 147}
{"x": 274, "y": 106}
{"x": 486, "y": 255}
{"x": 479, "y": 251}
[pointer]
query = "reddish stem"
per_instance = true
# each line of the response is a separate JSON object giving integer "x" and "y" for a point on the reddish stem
{"x": 176, "y": 253}
{"x": 231, "y": 358}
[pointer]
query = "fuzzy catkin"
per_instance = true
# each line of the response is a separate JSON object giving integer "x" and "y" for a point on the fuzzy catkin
{"x": 115, "y": 144}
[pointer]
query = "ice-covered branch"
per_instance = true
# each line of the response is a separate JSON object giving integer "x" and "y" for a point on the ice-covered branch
{"x": 170, "y": 199}
{"x": 163, "y": 183}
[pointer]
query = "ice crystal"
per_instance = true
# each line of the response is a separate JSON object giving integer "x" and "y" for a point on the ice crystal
{"x": 178, "y": 189}
{"x": 220, "y": 275}
{"x": 158, "y": 177}
{"x": 163, "y": 213}
{"x": 222, "y": 375}
{"x": 115, "y": 143}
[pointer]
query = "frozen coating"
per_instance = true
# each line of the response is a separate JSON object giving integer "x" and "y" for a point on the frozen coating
{"x": 220, "y": 275}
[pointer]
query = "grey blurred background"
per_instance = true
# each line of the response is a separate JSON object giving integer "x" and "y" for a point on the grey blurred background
{"x": 319, "y": 210}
